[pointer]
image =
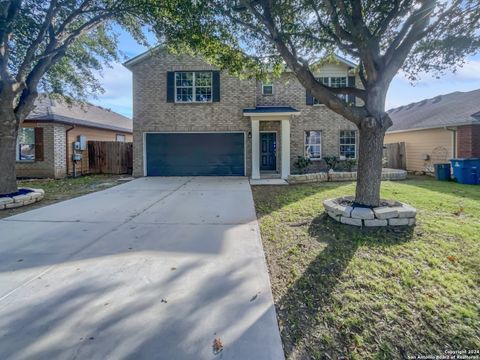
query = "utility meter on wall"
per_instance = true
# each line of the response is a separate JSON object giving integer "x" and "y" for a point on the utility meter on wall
{"x": 82, "y": 139}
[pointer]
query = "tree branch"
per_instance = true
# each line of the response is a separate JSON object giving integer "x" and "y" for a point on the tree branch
{"x": 9, "y": 14}
{"x": 30, "y": 53}
{"x": 395, "y": 55}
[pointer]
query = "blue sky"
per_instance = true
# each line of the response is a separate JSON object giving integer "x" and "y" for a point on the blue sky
{"x": 117, "y": 82}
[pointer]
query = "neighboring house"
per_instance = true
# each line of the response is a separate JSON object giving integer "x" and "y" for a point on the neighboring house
{"x": 191, "y": 119}
{"x": 436, "y": 130}
{"x": 45, "y": 143}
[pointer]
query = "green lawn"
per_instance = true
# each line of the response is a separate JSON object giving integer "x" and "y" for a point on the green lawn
{"x": 344, "y": 292}
{"x": 63, "y": 189}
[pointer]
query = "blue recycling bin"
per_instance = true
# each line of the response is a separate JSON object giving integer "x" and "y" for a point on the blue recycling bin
{"x": 466, "y": 171}
{"x": 442, "y": 172}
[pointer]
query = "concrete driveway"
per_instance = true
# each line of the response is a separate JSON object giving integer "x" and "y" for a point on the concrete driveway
{"x": 156, "y": 268}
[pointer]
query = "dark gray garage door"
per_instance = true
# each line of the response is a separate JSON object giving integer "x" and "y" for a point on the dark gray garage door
{"x": 195, "y": 154}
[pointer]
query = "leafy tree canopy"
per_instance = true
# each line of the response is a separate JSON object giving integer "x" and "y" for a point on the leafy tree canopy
{"x": 57, "y": 46}
{"x": 383, "y": 36}
{"x": 60, "y": 46}
{"x": 243, "y": 35}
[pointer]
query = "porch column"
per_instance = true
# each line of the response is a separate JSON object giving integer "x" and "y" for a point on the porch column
{"x": 255, "y": 149}
{"x": 285, "y": 148}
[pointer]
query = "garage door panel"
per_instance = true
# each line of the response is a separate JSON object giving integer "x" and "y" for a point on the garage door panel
{"x": 195, "y": 154}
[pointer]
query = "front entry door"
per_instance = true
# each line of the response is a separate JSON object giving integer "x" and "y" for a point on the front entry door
{"x": 268, "y": 150}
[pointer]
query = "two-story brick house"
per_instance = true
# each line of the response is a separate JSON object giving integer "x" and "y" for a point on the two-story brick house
{"x": 190, "y": 119}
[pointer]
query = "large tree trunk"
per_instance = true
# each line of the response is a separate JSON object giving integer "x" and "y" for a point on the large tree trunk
{"x": 369, "y": 172}
{"x": 8, "y": 140}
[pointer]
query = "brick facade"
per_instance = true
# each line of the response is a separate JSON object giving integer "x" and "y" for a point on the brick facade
{"x": 45, "y": 168}
{"x": 468, "y": 141}
{"x": 54, "y": 163}
{"x": 152, "y": 113}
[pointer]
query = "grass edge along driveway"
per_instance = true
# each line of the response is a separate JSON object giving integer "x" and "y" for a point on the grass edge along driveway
{"x": 343, "y": 292}
{"x": 57, "y": 190}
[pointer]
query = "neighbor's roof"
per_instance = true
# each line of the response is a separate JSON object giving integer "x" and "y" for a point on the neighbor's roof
{"x": 455, "y": 109}
{"x": 82, "y": 114}
{"x": 267, "y": 110}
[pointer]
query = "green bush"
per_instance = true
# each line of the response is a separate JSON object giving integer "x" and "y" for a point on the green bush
{"x": 302, "y": 164}
{"x": 350, "y": 164}
{"x": 331, "y": 161}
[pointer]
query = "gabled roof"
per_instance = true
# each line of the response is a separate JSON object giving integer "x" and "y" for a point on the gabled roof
{"x": 143, "y": 56}
{"x": 340, "y": 59}
{"x": 49, "y": 109}
{"x": 454, "y": 109}
{"x": 140, "y": 57}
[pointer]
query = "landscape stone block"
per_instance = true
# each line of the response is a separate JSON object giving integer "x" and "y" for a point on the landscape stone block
{"x": 406, "y": 211}
{"x": 29, "y": 201}
{"x": 350, "y": 221}
{"x": 6, "y": 200}
{"x": 362, "y": 213}
{"x": 41, "y": 191}
{"x": 347, "y": 212}
{"x": 329, "y": 204}
{"x": 333, "y": 215}
{"x": 398, "y": 222}
{"x": 375, "y": 222}
{"x": 13, "y": 205}
{"x": 37, "y": 196}
{"x": 21, "y": 198}
{"x": 385, "y": 212}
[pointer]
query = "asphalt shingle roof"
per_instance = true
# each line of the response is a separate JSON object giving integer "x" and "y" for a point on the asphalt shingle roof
{"x": 270, "y": 109}
{"x": 83, "y": 114}
{"x": 458, "y": 108}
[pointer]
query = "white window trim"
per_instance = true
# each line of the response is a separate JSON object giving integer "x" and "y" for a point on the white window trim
{"x": 194, "y": 95}
{"x": 263, "y": 86}
{"x": 17, "y": 149}
{"x": 355, "y": 145}
{"x": 330, "y": 85}
{"x": 305, "y": 144}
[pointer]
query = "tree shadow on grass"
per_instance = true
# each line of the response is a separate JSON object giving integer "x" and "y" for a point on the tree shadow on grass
{"x": 311, "y": 294}
{"x": 271, "y": 198}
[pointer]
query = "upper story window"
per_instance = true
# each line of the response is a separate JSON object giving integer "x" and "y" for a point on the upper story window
{"x": 334, "y": 82}
{"x": 348, "y": 144}
{"x": 267, "y": 88}
{"x": 313, "y": 144}
{"x": 26, "y": 144}
{"x": 193, "y": 86}
{"x": 120, "y": 138}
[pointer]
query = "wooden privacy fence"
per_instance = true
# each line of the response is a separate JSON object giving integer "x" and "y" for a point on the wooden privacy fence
{"x": 395, "y": 156}
{"x": 110, "y": 157}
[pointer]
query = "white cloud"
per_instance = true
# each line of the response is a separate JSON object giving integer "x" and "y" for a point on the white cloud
{"x": 470, "y": 71}
{"x": 402, "y": 92}
{"x": 117, "y": 83}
